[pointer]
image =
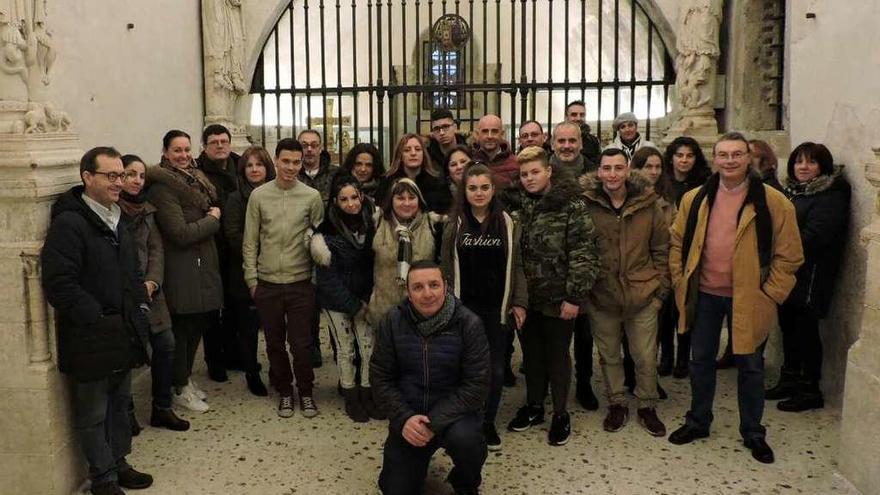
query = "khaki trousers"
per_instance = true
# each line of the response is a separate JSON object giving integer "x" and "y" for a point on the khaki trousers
{"x": 641, "y": 332}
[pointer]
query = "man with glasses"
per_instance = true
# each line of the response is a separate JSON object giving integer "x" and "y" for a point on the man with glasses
{"x": 317, "y": 171}
{"x": 444, "y": 137}
{"x": 91, "y": 277}
{"x": 576, "y": 113}
{"x": 220, "y": 165}
{"x": 734, "y": 251}
{"x": 491, "y": 148}
{"x": 532, "y": 134}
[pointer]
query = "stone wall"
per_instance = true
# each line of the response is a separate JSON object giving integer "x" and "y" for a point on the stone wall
{"x": 126, "y": 87}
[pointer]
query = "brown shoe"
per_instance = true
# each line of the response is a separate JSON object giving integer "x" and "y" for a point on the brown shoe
{"x": 616, "y": 418}
{"x": 648, "y": 418}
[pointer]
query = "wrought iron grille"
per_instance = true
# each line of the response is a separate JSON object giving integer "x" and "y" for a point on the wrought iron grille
{"x": 363, "y": 71}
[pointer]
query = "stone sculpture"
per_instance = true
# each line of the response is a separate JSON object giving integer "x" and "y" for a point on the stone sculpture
{"x": 223, "y": 35}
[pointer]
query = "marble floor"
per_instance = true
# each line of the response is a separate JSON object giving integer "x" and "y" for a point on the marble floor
{"x": 241, "y": 446}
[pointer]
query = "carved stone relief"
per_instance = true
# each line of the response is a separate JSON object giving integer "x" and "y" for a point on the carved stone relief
{"x": 224, "y": 38}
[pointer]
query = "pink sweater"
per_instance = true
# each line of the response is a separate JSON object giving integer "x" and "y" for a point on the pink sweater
{"x": 716, "y": 266}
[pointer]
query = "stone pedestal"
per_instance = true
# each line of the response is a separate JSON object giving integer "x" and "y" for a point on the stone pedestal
{"x": 860, "y": 424}
{"x": 37, "y": 451}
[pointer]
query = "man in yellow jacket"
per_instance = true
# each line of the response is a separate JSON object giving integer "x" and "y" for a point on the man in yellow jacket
{"x": 734, "y": 251}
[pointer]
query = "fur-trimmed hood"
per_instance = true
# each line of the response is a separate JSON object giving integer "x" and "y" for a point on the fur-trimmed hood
{"x": 821, "y": 183}
{"x": 185, "y": 187}
{"x": 639, "y": 194}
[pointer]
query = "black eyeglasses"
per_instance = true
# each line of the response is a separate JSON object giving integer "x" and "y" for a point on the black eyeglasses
{"x": 111, "y": 176}
{"x": 441, "y": 128}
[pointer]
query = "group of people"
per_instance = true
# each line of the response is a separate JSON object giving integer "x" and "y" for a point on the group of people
{"x": 425, "y": 274}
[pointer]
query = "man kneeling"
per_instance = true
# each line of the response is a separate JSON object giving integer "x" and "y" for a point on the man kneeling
{"x": 430, "y": 372}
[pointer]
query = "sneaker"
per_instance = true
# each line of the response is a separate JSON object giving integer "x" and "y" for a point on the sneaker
{"x": 307, "y": 406}
{"x": 616, "y": 418}
{"x": 526, "y": 417}
{"x": 493, "y": 441}
{"x": 285, "y": 406}
{"x": 649, "y": 420}
{"x": 130, "y": 478}
{"x": 187, "y": 399}
{"x": 560, "y": 429}
{"x": 201, "y": 394}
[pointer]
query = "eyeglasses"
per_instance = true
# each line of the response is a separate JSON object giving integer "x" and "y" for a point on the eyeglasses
{"x": 218, "y": 142}
{"x": 315, "y": 145}
{"x": 738, "y": 155}
{"x": 111, "y": 176}
{"x": 441, "y": 128}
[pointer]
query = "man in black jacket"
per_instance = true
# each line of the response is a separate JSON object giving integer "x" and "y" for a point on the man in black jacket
{"x": 430, "y": 372}
{"x": 92, "y": 278}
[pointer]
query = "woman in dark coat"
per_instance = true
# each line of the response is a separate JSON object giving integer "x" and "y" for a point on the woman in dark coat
{"x": 684, "y": 168}
{"x": 411, "y": 160}
{"x": 254, "y": 169}
{"x": 188, "y": 219}
{"x": 343, "y": 253}
{"x": 364, "y": 163}
{"x": 821, "y": 197}
{"x": 151, "y": 256}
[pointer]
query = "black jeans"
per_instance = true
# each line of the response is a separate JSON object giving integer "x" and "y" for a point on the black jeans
{"x": 801, "y": 343}
{"x": 221, "y": 339}
{"x": 583, "y": 349}
{"x": 405, "y": 466}
{"x": 706, "y": 334}
{"x": 101, "y": 423}
{"x": 247, "y": 329}
{"x": 188, "y": 330}
{"x": 161, "y": 367}
{"x": 498, "y": 337}
{"x": 546, "y": 342}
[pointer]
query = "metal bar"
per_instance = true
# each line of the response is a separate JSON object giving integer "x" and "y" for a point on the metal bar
{"x": 277, "y": 86}
{"x": 419, "y": 56}
{"x": 392, "y": 75}
{"x": 512, "y": 73}
{"x": 498, "y": 55}
{"x": 583, "y": 52}
{"x": 472, "y": 66}
{"x": 477, "y": 86}
{"x": 370, "y": 92}
{"x": 523, "y": 78}
{"x": 429, "y": 51}
{"x": 292, "y": 73}
{"x": 599, "y": 63}
{"x": 566, "y": 60}
{"x": 323, "y": 76}
{"x": 308, "y": 65}
{"x": 459, "y": 96}
{"x": 632, "y": 56}
{"x": 485, "y": 57}
{"x": 354, "y": 73}
{"x": 380, "y": 89}
{"x": 403, "y": 63}
{"x": 534, "y": 58}
{"x": 339, "y": 84}
{"x": 550, "y": 64}
{"x": 780, "y": 87}
{"x": 650, "y": 75}
{"x": 616, "y": 55}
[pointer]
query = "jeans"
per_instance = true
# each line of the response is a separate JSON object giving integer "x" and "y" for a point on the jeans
{"x": 188, "y": 330}
{"x": 801, "y": 343}
{"x": 354, "y": 337}
{"x": 705, "y": 337}
{"x": 405, "y": 466}
{"x": 162, "y": 345}
{"x": 498, "y": 337}
{"x": 221, "y": 339}
{"x": 101, "y": 424}
{"x": 546, "y": 343}
{"x": 247, "y": 330}
{"x": 287, "y": 313}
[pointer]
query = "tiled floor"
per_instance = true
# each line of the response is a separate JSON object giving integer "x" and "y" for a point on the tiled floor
{"x": 242, "y": 447}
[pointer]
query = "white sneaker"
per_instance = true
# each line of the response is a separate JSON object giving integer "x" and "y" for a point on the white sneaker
{"x": 188, "y": 399}
{"x": 201, "y": 394}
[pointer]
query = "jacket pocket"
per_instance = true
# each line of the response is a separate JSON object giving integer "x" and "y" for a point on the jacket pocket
{"x": 99, "y": 350}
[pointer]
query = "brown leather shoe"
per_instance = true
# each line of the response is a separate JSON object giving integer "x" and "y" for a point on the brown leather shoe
{"x": 649, "y": 420}
{"x": 616, "y": 418}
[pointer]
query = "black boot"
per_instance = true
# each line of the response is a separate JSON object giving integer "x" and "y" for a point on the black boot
{"x": 786, "y": 388}
{"x": 136, "y": 427}
{"x": 353, "y": 406}
{"x": 374, "y": 411}
{"x": 165, "y": 418}
{"x": 585, "y": 396}
{"x": 255, "y": 384}
{"x": 809, "y": 396}
{"x": 666, "y": 364}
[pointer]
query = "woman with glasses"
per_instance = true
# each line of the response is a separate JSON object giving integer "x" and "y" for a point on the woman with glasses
{"x": 188, "y": 220}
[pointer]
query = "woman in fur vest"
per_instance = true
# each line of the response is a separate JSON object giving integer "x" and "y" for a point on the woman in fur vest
{"x": 821, "y": 197}
{"x": 342, "y": 250}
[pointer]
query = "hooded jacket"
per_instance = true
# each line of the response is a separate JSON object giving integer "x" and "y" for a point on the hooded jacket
{"x": 559, "y": 246}
{"x": 515, "y": 289}
{"x": 91, "y": 277}
{"x": 634, "y": 247}
{"x": 232, "y": 220}
{"x": 192, "y": 270}
{"x": 443, "y": 375}
{"x": 756, "y": 291}
{"x": 823, "y": 209}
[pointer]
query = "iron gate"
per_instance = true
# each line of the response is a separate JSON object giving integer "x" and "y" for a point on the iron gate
{"x": 371, "y": 72}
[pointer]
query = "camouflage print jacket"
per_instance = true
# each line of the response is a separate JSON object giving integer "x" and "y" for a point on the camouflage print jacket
{"x": 560, "y": 252}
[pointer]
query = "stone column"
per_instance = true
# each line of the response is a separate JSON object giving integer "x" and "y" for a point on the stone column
{"x": 223, "y": 42}
{"x": 39, "y": 157}
{"x": 697, "y": 42}
{"x": 860, "y": 424}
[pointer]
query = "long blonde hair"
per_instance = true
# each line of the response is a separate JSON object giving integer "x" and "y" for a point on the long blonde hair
{"x": 396, "y": 168}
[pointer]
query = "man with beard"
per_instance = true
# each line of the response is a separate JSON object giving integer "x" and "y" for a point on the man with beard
{"x": 576, "y": 113}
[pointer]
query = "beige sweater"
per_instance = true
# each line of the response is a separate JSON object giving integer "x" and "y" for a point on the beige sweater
{"x": 276, "y": 222}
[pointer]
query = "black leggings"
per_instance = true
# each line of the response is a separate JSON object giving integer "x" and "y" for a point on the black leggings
{"x": 801, "y": 343}
{"x": 546, "y": 340}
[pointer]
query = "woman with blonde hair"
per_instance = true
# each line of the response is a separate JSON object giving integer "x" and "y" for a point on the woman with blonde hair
{"x": 411, "y": 160}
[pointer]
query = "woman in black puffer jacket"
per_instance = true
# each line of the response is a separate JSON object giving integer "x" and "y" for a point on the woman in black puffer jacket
{"x": 821, "y": 197}
{"x": 343, "y": 253}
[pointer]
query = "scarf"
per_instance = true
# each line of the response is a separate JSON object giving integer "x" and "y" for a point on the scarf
{"x": 192, "y": 176}
{"x": 404, "y": 251}
{"x": 132, "y": 206}
{"x": 429, "y": 325}
{"x": 352, "y": 228}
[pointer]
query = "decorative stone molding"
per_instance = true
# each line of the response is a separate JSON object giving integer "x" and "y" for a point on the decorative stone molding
{"x": 697, "y": 43}
{"x": 36, "y": 310}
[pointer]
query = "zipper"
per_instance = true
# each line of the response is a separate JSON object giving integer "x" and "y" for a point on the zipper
{"x": 427, "y": 373}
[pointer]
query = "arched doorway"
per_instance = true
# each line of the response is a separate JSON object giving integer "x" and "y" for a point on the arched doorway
{"x": 369, "y": 71}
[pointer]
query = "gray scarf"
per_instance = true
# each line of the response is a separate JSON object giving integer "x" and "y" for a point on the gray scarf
{"x": 427, "y": 326}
